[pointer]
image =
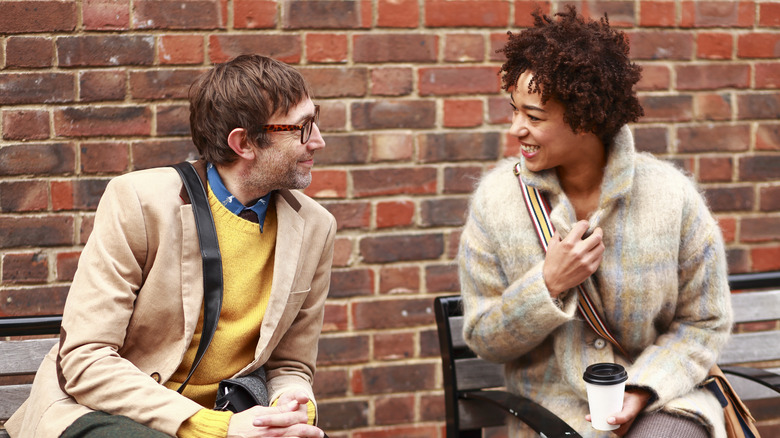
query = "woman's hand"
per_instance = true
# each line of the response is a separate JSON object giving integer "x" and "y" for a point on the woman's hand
{"x": 572, "y": 260}
{"x": 287, "y": 419}
{"x": 634, "y": 401}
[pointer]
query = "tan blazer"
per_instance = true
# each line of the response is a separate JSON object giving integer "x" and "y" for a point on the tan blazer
{"x": 135, "y": 301}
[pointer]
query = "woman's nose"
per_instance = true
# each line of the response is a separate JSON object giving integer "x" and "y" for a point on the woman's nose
{"x": 518, "y": 129}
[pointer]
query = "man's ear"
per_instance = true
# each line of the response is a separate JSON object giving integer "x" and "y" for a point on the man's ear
{"x": 238, "y": 142}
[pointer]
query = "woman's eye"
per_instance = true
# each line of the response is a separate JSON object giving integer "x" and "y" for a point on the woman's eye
{"x": 533, "y": 119}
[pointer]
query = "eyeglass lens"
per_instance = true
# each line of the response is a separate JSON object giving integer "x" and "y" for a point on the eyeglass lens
{"x": 308, "y": 127}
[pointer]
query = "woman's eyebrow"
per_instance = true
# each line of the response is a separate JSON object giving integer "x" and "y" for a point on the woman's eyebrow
{"x": 533, "y": 108}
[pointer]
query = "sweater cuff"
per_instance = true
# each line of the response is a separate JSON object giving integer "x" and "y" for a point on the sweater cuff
{"x": 311, "y": 411}
{"x": 206, "y": 423}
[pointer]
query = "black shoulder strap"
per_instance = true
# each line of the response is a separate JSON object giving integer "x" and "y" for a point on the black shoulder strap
{"x": 212, "y": 263}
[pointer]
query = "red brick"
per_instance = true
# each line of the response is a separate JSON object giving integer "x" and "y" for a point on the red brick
{"x": 657, "y": 13}
{"x": 335, "y": 319}
{"x": 397, "y": 13}
{"x": 432, "y": 408}
{"x": 655, "y": 78}
{"x": 40, "y": 300}
{"x": 391, "y": 81}
{"x": 651, "y": 139}
{"x": 768, "y": 137}
{"x": 460, "y": 13}
{"x": 728, "y": 226}
{"x": 87, "y": 223}
{"x": 24, "y": 88}
{"x": 29, "y": 52}
{"x": 342, "y": 415}
{"x": 24, "y": 196}
{"x": 180, "y": 49}
{"x": 106, "y": 14}
{"x": 333, "y": 115}
{"x": 395, "y": 47}
{"x": 327, "y": 14}
{"x": 102, "y": 85}
{"x": 104, "y": 157}
{"x": 38, "y": 231}
{"x": 351, "y": 283}
{"x": 37, "y": 16}
{"x": 712, "y": 106}
{"x": 497, "y": 42}
{"x": 442, "y": 278}
{"x": 462, "y": 113}
{"x": 765, "y": 258}
{"x": 394, "y": 181}
{"x": 499, "y": 110}
{"x": 711, "y": 45}
{"x": 67, "y": 262}
{"x": 769, "y": 198}
{"x": 717, "y": 14}
{"x": 25, "y": 125}
{"x": 254, "y": 14}
{"x": 337, "y": 81}
{"x": 177, "y": 14}
{"x": 342, "y": 252}
{"x": 769, "y": 14}
{"x": 725, "y": 198}
{"x": 344, "y": 149}
{"x": 421, "y": 431}
{"x": 393, "y": 346}
{"x": 461, "y": 179}
{"x": 328, "y": 184}
{"x": 764, "y": 228}
{"x": 330, "y": 383}
{"x": 758, "y": 45}
{"x": 81, "y": 194}
{"x": 758, "y": 106}
{"x": 342, "y": 350}
{"x": 391, "y": 147}
{"x": 738, "y": 260}
{"x": 443, "y": 212}
{"x": 38, "y": 159}
{"x": 284, "y": 47}
{"x": 667, "y": 44}
{"x": 621, "y": 13}
{"x": 709, "y": 77}
{"x": 429, "y": 343}
{"x": 399, "y": 280}
{"x": 715, "y": 138}
{"x": 173, "y": 120}
{"x": 398, "y": 378}
{"x": 401, "y": 247}
{"x": 759, "y": 168}
{"x": 464, "y": 47}
{"x": 767, "y": 75}
{"x": 25, "y": 268}
{"x": 162, "y": 84}
{"x": 459, "y": 146}
{"x": 394, "y": 214}
{"x": 102, "y": 121}
{"x": 715, "y": 169}
{"x": 459, "y": 80}
{"x": 392, "y": 114}
{"x": 105, "y": 50}
{"x": 394, "y": 410}
{"x": 523, "y": 10}
{"x": 326, "y": 48}
{"x": 670, "y": 108}
{"x": 160, "y": 152}
{"x": 350, "y": 214}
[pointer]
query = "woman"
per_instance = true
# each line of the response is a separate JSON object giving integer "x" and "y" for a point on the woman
{"x": 633, "y": 228}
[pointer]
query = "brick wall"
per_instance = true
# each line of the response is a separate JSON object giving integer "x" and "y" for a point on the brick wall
{"x": 412, "y": 114}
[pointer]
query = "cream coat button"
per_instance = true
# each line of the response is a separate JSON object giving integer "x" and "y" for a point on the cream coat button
{"x": 600, "y": 343}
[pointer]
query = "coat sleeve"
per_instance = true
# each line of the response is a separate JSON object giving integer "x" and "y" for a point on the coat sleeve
{"x": 680, "y": 357}
{"x": 97, "y": 315}
{"x": 506, "y": 314}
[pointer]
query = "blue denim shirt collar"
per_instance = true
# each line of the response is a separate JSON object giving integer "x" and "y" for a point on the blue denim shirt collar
{"x": 231, "y": 202}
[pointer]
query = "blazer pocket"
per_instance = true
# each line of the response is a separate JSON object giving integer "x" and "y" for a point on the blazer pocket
{"x": 298, "y": 297}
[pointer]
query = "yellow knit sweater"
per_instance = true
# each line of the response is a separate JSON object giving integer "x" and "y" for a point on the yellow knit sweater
{"x": 247, "y": 288}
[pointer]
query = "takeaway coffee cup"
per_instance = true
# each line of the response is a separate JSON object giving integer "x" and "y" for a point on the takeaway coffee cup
{"x": 605, "y": 383}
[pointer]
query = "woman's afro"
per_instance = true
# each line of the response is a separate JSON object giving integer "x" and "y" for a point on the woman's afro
{"x": 582, "y": 64}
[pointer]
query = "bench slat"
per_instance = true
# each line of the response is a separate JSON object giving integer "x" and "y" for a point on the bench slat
{"x": 478, "y": 373}
{"x": 23, "y": 357}
{"x": 756, "y": 306}
{"x": 11, "y": 397}
{"x": 751, "y": 347}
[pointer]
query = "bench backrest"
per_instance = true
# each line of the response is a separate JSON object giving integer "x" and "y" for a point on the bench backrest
{"x": 462, "y": 370}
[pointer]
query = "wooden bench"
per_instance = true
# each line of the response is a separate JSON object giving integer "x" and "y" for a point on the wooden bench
{"x": 473, "y": 388}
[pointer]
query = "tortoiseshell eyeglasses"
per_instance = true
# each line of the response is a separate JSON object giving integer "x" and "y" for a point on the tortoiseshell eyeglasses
{"x": 306, "y": 127}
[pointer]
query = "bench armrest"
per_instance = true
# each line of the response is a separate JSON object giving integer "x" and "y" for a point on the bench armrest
{"x": 761, "y": 376}
{"x": 529, "y": 412}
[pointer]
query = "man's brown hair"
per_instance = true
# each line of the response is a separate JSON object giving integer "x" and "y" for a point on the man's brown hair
{"x": 244, "y": 92}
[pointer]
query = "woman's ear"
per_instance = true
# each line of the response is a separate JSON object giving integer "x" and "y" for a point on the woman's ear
{"x": 240, "y": 145}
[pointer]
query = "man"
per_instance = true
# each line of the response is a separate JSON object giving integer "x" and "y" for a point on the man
{"x": 133, "y": 318}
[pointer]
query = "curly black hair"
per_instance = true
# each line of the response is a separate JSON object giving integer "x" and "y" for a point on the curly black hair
{"x": 582, "y": 64}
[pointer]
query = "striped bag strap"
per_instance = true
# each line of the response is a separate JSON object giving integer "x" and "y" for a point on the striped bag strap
{"x": 539, "y": 210}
